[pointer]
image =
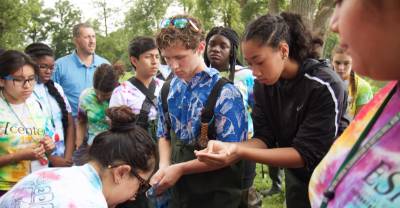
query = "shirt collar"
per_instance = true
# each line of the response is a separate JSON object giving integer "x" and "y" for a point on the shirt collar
{"x": 79, "y": 61}
{"x": 199, "y": 77}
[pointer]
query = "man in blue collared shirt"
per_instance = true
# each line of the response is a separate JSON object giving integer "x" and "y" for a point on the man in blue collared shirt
{"x": 74, "y": 72}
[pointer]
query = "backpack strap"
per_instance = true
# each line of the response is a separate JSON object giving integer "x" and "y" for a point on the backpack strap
{"x": 149, "y": 101}
{"x": 207, "y": 130}
{"x": 164, "y": 95}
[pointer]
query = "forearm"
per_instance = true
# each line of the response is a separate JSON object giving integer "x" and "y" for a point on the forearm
{"x": 287, "y": 157}
{"x": 70, "y": 139}
{"x": 14, "y": 157}
{"x": 7, "y": 159}
{"x": 253, "y": 143}
{"x": 164, "y": 148}
{"x": 195, "y": 166}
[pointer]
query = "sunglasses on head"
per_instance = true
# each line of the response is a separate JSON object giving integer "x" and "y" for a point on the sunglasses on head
{"x": 179, "y": 23}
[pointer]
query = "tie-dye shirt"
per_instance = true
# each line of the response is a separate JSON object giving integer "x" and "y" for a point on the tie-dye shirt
{"x": 186, "y": 100}
{"x": 362, "y": 97}
{"x": 93, "y": 112}
{"x": 373, "y": 181}
{"x": 129, "y": 95}
{"x": 72, "y": 187}
{"x": 15, "y": 136}
{"x": 53, "y": 110}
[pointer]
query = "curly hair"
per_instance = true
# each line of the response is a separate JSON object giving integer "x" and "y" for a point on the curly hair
{"x": 273, "y": 29}
{"x": 233, "y": 38}
{"x": 190, "y": 37}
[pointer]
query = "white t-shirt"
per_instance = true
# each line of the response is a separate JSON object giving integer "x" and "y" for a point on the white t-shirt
{"x": 77, "y": 186}
{"x": 127, "y": 94}
{"x": 53, "y": 111}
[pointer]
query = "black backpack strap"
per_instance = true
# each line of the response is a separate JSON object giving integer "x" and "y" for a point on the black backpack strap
{"x": 164, "y": 96}
{"x": 207, "y": 115}
{"x": 149, "y": 101}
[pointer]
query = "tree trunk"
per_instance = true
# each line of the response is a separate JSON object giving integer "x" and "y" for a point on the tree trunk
{"x": 305, "y": 8}
{"x": 325, "y": 10}
{"x": 273, "y": 7}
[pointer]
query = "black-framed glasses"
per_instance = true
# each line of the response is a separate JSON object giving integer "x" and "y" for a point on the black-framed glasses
{"x": 179, "y": 23}
{"x": 21, "y": 82}
{"x": 46, "y": 67}
{"x": 144, "y": 184}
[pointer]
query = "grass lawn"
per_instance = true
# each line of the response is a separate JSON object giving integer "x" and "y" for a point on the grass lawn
{"x": 263, "y": 183}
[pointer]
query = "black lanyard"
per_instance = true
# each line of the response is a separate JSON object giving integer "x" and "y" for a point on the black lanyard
{"x": 357, "y": 151}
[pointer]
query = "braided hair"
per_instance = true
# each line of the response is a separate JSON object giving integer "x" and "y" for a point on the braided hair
{"x": 38, "y": 51}
{"x": 272, "y": 29}
{"x": 233, "y": 38}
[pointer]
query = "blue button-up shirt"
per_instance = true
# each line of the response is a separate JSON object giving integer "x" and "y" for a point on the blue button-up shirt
{"x": 186, "y": 100}
{"x": 73, "y": 76}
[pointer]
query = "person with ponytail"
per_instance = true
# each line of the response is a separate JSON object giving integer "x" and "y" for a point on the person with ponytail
{"x": 300, "y": 104}
{"x": 121, "y": 161}
{"x": 360, "y": 92}
{"x": 51, "y": 96}
{"x": 25, "y": 137}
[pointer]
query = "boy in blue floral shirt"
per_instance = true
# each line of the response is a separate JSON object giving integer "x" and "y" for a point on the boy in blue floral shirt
{"x": 195, "y": 184}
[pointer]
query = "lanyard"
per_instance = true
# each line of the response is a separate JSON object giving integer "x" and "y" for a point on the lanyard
{"x": 15, "y": 114}
{"x": 357, "y": 151}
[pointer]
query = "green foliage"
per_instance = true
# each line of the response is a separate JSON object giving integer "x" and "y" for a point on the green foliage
{"x": 263, "y": 182}
{"x": 114, "y": 47}
{"x": 252, "y": 9}
{"x": 144, "y": 16}
{"x": 14, "y": 18}
{"x": 331, "y": 41}
{"x": 65, "y": 16}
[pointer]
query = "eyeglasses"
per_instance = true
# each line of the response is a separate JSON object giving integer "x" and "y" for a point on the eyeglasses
{"x": 179, "y": 23}
{"x": 144, "y": 184}
{"x": 46, "y": 67}
{"x": 21, "y": 82}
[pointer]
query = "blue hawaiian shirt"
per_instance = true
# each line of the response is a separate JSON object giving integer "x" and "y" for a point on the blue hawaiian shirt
{"x": 186, "y": 100}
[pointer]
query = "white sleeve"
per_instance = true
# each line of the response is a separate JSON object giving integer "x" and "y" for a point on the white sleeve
{"x": 61, "y": 91}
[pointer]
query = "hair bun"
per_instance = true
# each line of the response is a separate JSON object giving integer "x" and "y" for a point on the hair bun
{"x": 122, "y": 118}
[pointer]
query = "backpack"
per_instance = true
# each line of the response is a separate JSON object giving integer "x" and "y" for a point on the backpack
{"x": 207, "y": 129}
{"x": 149, "y": 101}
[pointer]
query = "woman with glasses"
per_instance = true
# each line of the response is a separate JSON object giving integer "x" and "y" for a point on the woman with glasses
{"x": 24, "y": 127}
{"x": 53, "y": 100}
{"x": 121, "y": 162}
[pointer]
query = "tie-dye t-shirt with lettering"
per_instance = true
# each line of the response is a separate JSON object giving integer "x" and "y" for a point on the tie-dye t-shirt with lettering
{"x": 93, "y": 112}
{"x": 15, "y": 136}
{"x": 186, "y": 101}
{"x": 72, "y": 187}
{"x": 374, "y": 180}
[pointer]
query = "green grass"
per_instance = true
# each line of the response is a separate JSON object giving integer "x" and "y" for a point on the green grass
{"x": 264, "y": 183}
